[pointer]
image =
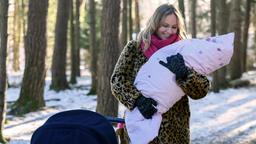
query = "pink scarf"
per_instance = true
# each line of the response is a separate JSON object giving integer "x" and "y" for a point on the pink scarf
{"x": 157, "y": 43}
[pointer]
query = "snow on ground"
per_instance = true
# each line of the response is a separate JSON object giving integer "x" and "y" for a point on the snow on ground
{"x": 228, "y": 117}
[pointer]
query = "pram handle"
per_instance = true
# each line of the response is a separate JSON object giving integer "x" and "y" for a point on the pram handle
{"x": 114, "y": 119}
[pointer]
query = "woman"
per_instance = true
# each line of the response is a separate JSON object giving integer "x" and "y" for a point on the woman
{"x": 165, "y": 27}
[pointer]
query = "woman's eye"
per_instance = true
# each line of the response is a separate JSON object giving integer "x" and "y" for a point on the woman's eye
{"x": 166, "y": 26}
{"x": 174, "y": 27}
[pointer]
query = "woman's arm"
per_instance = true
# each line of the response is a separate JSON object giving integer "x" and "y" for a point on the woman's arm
{"x": 195, "y": 85}
{"x": 123, "y": 77}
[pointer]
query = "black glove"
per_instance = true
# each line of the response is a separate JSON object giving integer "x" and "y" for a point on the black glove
{"x": 175, "y": 64}
{"x": 146, "y": 106}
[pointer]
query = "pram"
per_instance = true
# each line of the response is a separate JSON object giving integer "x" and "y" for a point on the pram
{"x": 77, "y": 127}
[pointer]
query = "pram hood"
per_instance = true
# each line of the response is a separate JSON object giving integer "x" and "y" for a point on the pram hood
{"x": 75, "y": 127}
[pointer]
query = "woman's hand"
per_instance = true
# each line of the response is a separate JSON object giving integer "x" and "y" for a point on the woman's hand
{"x": 146, "y": 106}
{"x": 175, "y": 64}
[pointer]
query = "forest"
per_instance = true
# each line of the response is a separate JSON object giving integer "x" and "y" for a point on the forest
{"x": 51, "y": 45}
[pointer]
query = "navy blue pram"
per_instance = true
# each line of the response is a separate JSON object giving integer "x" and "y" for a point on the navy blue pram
{"x": 76, "y": 127}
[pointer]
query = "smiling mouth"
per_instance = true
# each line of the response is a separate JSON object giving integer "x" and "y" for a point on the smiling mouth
{"x": 166, "y": 36}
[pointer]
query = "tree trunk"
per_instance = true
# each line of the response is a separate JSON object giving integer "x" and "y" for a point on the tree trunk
{"x": 24, "y": 21}
{"x": 77, "y": 37}
{"x": 16, "y": 36}
{"x": 245, "y": 34}
{"x": 3, "y": 55}
{"x": 32, "y": 89}
{"x": 93, "y": 47}
{"x": 213, "y": 17}
{"x": 182, "y": 9}
{"x": 222, "y": 29}
{"x": 254, "y": 34}
{"x": 215, "y": 81}
{"x": 137, "y": 17}
{"x": 235, "y": 26}
{"x": 130, "y": 19}
{"x": 124, "y": 25}
{"x": 193, "y": 18}
{"x": 106, "y": 103}
{"x": 72, "y": 46}
{"x": 59, "y": 80}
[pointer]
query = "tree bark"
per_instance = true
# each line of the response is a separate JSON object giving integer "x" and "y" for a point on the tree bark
{"x": 193, "y": 18}
{"x": 93, "y": 47}
{"x": 254, "y": 24}
{"x": 3, "y": 55}
{"x": 245, "y": 34}
{"x": 17, "y": 23}
{"x": 215, "y": 81}
{"x": 106, "y": 103}
{"x": 124, "y": 25}
{"x": 235, "y": 26}
{"x": 137, "y": 17}
{"x": 59, "y": 80}
{"x": 130, "y": 19}
{"x": 32, "y": 89}
{"x": 222, "y": 29}
{"x": 77, "y": 37}
{"x": 182, "y": 9}
{"x": 72, "y": 46}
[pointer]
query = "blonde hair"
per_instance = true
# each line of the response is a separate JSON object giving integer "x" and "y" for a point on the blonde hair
{"x": 154, "y": 23}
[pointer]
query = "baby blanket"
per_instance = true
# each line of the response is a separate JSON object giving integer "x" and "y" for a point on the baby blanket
{"x": 155, "y": 81}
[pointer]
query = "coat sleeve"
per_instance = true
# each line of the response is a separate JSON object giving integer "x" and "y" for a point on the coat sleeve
{"x": 123, "y": 77}
{"x": 195, "y": 85}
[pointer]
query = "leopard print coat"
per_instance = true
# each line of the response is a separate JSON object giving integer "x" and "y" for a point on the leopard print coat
{"x": 175, "y": 124}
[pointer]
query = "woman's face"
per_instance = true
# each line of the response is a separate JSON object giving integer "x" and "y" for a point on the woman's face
{"x": 168, "y": 26}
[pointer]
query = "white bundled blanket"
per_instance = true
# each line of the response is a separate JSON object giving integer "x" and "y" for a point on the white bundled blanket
{"x": 157, "y": 82}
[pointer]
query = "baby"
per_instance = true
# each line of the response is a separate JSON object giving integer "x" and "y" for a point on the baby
{"x": 157, "y": 82}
